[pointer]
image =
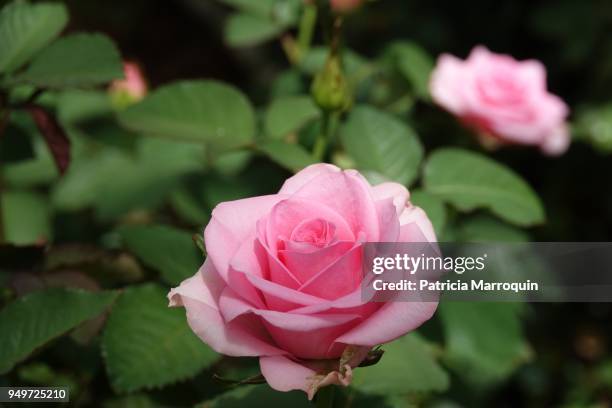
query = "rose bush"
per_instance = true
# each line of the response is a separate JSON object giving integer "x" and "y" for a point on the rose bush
{"x": 282, "y": 277}
{"x": 505, "y": 100}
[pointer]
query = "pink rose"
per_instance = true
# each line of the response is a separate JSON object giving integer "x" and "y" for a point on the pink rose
{"x": 134, "y": 86}
{"x": 504, "y": 99}
{"x": 282, "y": 277}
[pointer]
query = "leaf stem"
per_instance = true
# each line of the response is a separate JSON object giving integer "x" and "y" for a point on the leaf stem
{"x": 320, "y": 146}
{"x": 306, "y": 30}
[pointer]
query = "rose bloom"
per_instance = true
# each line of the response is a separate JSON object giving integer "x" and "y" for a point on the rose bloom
{"x": 505, "y": 100}
{"x": 283, "y": 273}
{"x": 133, "y": 85}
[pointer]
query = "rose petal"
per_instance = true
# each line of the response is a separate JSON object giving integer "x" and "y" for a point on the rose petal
{"x": 388, "y": 220}
{"x": 293, "y": 184}
{"x": 232, "y": 305}
{"x": 304, "y": 265}
{"x": 288, "y": 214}
{"x": 349, "y": 194}
{"x": 280, "y": 297}
{"x": 445, "y": 81}
{"x": 199, "y": 295}
{"x": 284, "y": 374}
{"x": 415, "y": 226}
{"x": 392, "y": 320}
{"x": 340, "y": 278}
{"x": 396, "y": 191}
{"x": 557, "y": 142}
{"x": 231, "y": 224}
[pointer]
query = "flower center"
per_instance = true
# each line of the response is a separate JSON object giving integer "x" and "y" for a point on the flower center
{"x": 315, "y": 231}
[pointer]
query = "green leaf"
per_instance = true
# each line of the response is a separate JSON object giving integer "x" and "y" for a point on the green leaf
{"x": 33, "y": 320}
{"x": 147, "y": 345}
{"x": 414, "y": 64}
{"x": 289, "y": 114}
{"x": 245, "y": 30}
{"x": 468, "y": 181}
{"x": 202, "y": 111}
{"x": 132, "y": 401}
{"x": 114, "y": 181}
{"x": 484, "y": 228}
{"x": 595, "y": 126}
{"x": 433, "y": 206}
{"x": 484, "y": 341}
{"x": 288, "y": 83}
{"x": 26, "y": 217}
{"x": 232, "y": 162}
{"x": 262, "y": 8}
{"x": 169, "y": 250}
{"x": 25, "y": 29}
{"x": 258, "y": 396}
{"x": 382, "y": 143}
{"x": 283, "y": 12}
{"x": 291, "y": 156}
{"x": 407, "y": 366}
{"x": 75, "y": 61}
{"x": 188, "y": 207}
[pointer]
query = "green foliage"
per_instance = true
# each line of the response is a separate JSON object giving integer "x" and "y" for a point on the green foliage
{"x": 484, "y": 228}
{"x": 37, "y": 318}
{"x": 414, "y": 64}
{"x": 98, "y": 62}
{"x": 114, "y": 181}
{"x": 257, "y": 396}
{"x": 261, "y": 8}
{"x": 379, "y": 142}
{"x": 283, "y": 12}
{"x": 433, "y": 207}
{"x": 169, "y": 250}
{"x": 595, "y": 126}
{"x": 26, "y": 217}
{"x": 407, "y": 366}
{"x": 314, "y": 61}
{"x": 199, "y": 111}
{"x": 147, "y": 345}
{"x": 243, "y": 30}
{"x": 289, "y": 114}
{"x": 484, "y": 341}
{"x": 25, "y": 29}
{"x": 290, "y": 156}
{"x": 468, "y": 181}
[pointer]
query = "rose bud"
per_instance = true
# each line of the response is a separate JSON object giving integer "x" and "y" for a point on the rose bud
{"x": 282, "y": 280}
{"x": 506, "y": 101}
{"x": 131, "y": 89}
{"x": 330, "y": 88}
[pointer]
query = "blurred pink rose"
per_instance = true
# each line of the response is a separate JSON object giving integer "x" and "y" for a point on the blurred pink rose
{"x": 282, "y": 277}
{"x": 505, "y": 100}
{"x": 344, "y": 6}
{"x": 133, "y": 85}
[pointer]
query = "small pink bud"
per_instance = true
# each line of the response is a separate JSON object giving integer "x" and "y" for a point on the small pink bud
{"x": 133, "y": 87}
